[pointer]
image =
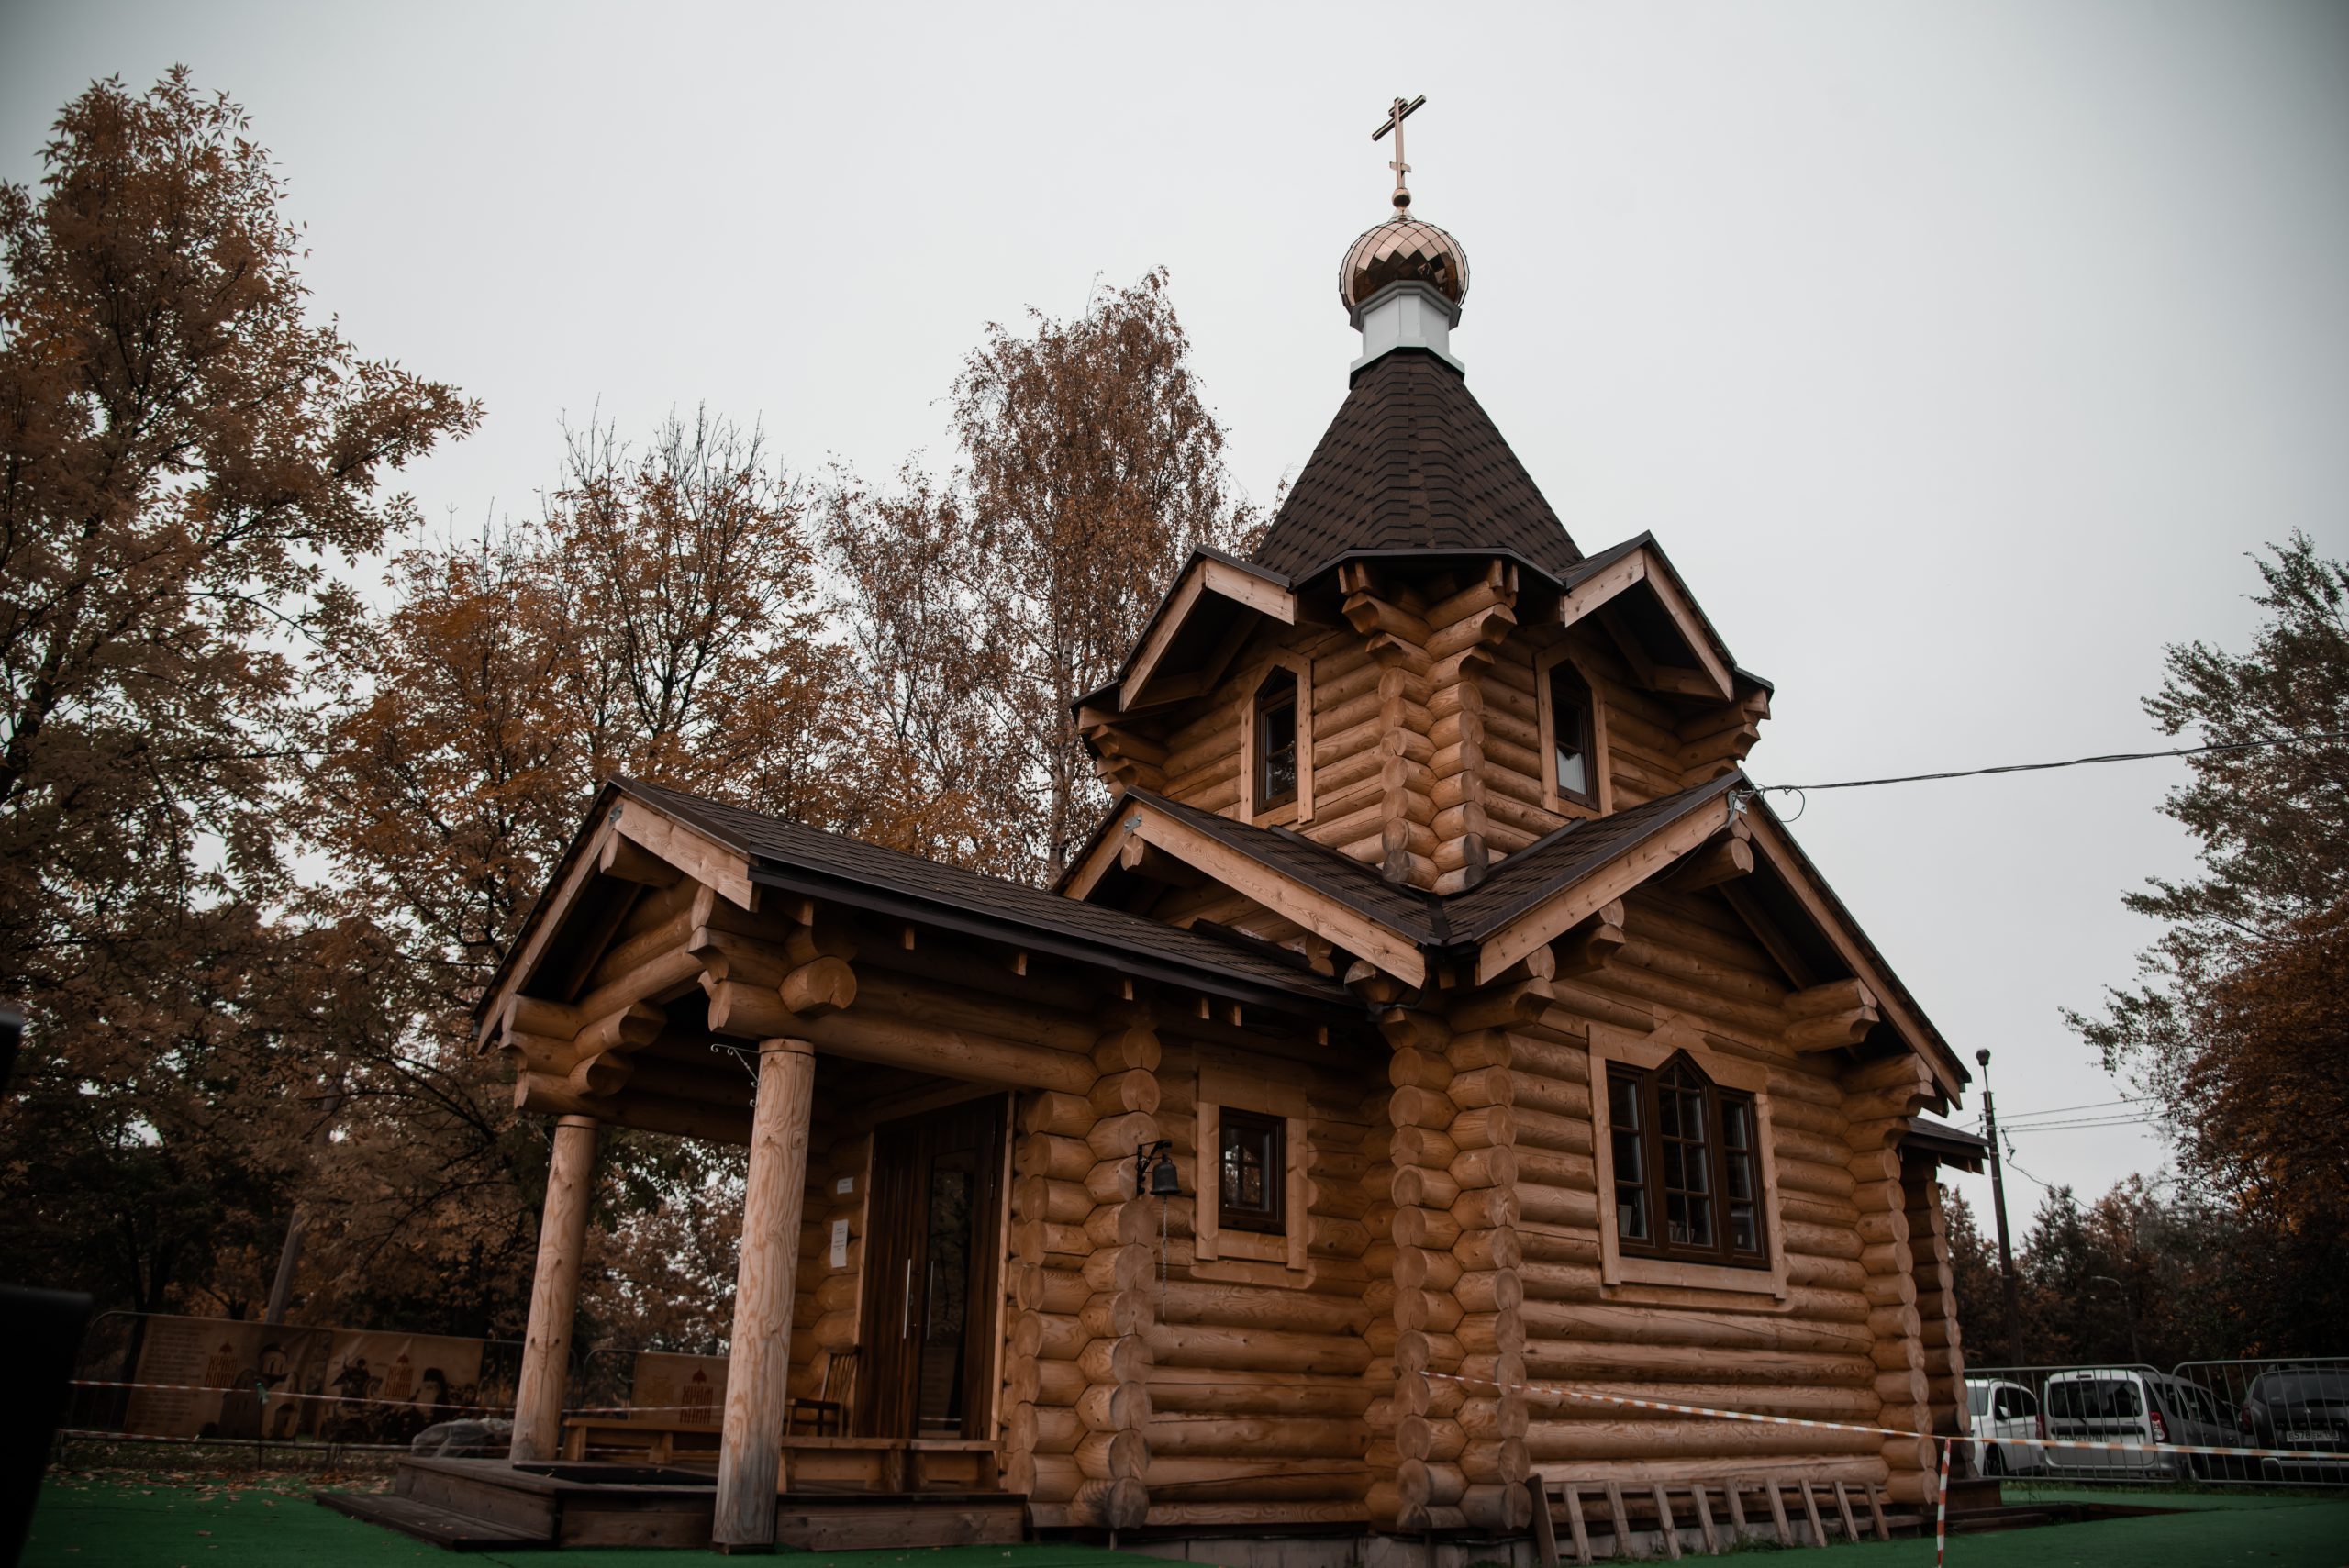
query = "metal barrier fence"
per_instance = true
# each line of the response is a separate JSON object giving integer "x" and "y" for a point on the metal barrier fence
{"x": 157, "y": 1377}
{"x": 2275, "y": 1404}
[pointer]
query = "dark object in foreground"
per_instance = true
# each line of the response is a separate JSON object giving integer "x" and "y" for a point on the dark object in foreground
{"x": 43, "y": 1329}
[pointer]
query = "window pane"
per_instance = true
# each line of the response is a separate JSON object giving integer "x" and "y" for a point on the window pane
{"x": 1745, "y": 1235}
{"x": 1631, "y": 1158}
{"x": 1570, "y": 729}
{"x": 1276, "y": 740}
{"x": 1687, "y": 1177}
{"x": 1632, "y": 1213}
{"x": 1629, "y": 1148}
{"x": 1623, "y": 1100}
{"x": 1253, "y": 1171}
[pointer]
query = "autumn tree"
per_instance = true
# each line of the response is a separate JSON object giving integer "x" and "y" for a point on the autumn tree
{"x": 2239, "y": 1025}
{"x": 187, "y": 455}
{"x": 658, "y": 620}
{"x": 986, "y": 602}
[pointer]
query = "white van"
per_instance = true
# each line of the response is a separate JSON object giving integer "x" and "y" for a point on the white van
{"x": 2136, "y": 1406}
{"x": 1998, "y": 1412}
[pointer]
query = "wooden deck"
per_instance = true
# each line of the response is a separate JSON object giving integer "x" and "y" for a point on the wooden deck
{"x": 491, "y": 1505}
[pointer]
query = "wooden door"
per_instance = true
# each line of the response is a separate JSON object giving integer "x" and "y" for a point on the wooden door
{"x": 932, "y": 1273}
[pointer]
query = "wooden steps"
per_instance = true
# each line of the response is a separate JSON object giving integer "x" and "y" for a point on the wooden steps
{"x": 457, "y": 1532}
{"x": 1793, "y": 1510}
{"x": 473, "y": 1505}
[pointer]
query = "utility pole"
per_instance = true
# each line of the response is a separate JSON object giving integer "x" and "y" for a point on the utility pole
{"x": 1998, "y": 1201}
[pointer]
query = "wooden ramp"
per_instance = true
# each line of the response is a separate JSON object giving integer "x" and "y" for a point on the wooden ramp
{"x": 480, "y": 1504}
{"x": 1708, "y": 1518}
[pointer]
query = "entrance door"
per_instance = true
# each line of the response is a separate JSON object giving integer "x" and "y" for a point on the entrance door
{"x": 932, "y": 1274}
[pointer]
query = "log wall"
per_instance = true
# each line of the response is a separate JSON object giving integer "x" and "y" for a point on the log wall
{"x": 1688, "y": 964}
{"x": 1427, "y": 756}
{"x": 1255, "y": 1376}
{"x": 1936, "y": 1300}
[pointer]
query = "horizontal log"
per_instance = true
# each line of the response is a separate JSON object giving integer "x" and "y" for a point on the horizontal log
{"x": 1250, "y": 1350}
{"x": 1552, "y": 1442}
{"x": 1254, "y": 1437}
{"x": 1245, "y": 1307}
{"x": 950, "y": 1053}
{"x": 1706, "y": 1331}
{"x": 1196, "y": 1516}
{"x": 1214, "y": 1392}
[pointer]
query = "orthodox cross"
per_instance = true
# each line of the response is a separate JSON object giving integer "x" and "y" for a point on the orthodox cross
{"x": 1395, "y": 114}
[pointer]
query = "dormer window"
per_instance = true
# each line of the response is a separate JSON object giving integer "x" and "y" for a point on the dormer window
{"x": 1276, "y": 740}
{"x": 1687, "y": 1172}
{"x": 1574, "y": 751}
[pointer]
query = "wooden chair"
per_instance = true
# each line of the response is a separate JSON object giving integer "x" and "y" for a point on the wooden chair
{"x": 827, "y": 1412}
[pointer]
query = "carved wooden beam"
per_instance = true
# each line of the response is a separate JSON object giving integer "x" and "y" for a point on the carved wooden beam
{"x": 629, "y": 861}
{"x": 1831, "y": 1017}
{"x": 1725, "y": 860}
{"x": 1586, "y": 948}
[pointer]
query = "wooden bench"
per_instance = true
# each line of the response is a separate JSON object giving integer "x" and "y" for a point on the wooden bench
{"x": 808, "y": 1464}
{"x": 887, "y": 1464}
{"x": 1632, "y": 1506}
{"x": 585, "y": 1437}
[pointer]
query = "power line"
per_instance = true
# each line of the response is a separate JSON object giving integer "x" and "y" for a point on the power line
{"x": 2065, "y": 1110}
{"x": 2070, "y": 1111}
{"x": 2042, "y": 767}
{"x": 2077, "y": 1125}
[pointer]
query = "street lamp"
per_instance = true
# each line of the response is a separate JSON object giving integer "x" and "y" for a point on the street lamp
{"x": 2135, "y": 1355}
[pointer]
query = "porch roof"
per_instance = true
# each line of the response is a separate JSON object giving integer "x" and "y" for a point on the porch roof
{"x": 818, "y": 864}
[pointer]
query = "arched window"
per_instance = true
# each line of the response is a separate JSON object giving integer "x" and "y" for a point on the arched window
{"x": 1574, "y": 751}
{"x": 1275, "y": 761}
{"x": 1687, "y": 1171}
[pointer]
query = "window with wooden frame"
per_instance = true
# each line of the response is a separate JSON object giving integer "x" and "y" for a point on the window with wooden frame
{"x": 1687, "y": 1175}
{"x": 1275, "y": 761}
{"x": 1573, "y": 723}
{"x": 1252, "y": 1198}
{"x": 1251, "y": 1171}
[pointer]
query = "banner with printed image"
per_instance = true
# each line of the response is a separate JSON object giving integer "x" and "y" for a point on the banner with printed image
{"x": 664, "y": 1386}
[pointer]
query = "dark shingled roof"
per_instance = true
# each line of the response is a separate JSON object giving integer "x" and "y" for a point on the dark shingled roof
{"x": 1329, "y": 872}
{"x": 1412, "y": 463}
{"x": 1572, "y": 852}
{"x": 829, "y": 866}
{"x": 1517, "y": 883}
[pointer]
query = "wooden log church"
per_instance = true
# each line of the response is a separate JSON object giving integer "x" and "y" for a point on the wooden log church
{"x": 1436, "y": 1019}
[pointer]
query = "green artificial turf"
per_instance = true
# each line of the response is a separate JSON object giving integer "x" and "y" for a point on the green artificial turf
{"x": 128, "y": 1524}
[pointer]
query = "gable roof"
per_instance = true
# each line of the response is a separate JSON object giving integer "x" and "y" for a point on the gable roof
{"x": 1530, "y": 899}
{"x": 832, "y": 867}
{"x": 1572, "y": 853}
{"x": 1412, "y": 463}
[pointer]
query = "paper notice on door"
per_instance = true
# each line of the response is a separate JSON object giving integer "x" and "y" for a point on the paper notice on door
{"x": 839, "y": 1243}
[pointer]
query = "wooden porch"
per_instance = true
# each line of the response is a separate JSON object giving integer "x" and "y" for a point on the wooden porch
{"x": 835, "y": 1495}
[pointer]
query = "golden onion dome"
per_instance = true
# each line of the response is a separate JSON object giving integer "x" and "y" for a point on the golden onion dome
{"x": 1402, "y": 250}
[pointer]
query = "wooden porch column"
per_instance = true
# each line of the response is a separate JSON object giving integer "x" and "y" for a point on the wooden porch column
{"x": 750, "y": 1451}
{"x": 554, "y": 1290}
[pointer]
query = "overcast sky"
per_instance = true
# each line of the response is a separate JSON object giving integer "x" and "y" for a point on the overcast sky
{"x": 1956, "y": 353}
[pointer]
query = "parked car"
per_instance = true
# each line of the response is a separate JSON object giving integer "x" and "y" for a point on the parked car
{"x": 2136, "y": 1406}
{"x": 2298, "y": 1407}
{"x": 2000, "y": 1412}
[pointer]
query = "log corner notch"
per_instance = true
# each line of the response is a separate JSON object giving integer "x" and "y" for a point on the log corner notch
{"x": 763, "y": 983}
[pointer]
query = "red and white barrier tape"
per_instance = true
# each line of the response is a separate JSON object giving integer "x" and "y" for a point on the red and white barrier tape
{"x": 270, "y": 1394}
{"x": 1562, "y": 1391}
{"x": 1941, "y": 1509}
